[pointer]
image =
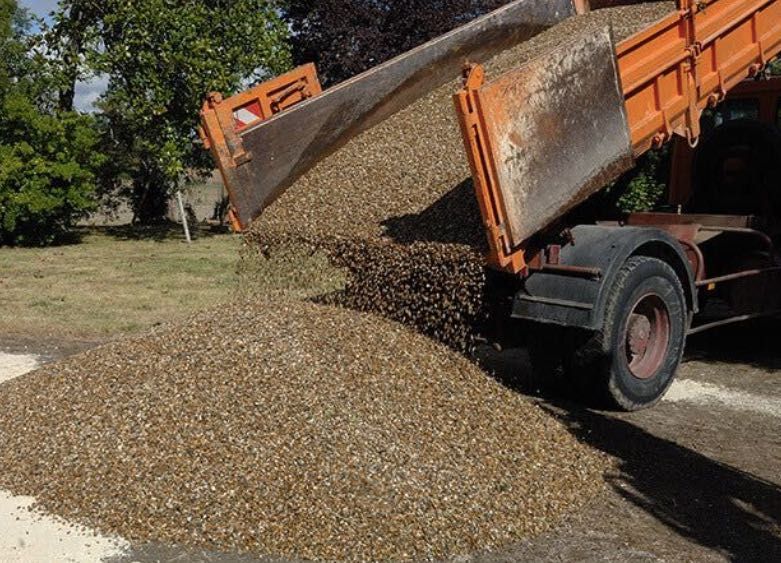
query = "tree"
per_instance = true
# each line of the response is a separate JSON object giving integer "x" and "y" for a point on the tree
{"x": 161, "y": 58}
{"x": 73, "y": 36}
{"x": 346, "y": 37}
{"x": 8, "y": 11}
{"x": 47, "y": 158}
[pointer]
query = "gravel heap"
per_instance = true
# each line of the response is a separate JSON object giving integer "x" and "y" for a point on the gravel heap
{"x": 292, "y": 429}
{"x": 399, "y": 199}
{"x": 286, "y": 427}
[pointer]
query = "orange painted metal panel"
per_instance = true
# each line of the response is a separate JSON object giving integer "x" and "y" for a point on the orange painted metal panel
{"x": 672, "y": 71}
{"x": 553, "y": 148}
{"x": 221, "y": 119}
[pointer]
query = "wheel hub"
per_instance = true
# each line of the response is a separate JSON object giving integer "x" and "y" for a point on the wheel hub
{"x": 647, "y": 336}
{"x": 639, "y": 334}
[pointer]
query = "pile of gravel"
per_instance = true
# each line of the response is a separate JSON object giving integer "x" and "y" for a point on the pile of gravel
{"x": 292, "y": 429}
{"x": 284, "y": 427}
{"x": 399, "y": 198}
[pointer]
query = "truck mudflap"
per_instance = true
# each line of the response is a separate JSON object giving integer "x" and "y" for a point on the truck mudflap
{"x": 542, "y": 138}
{"x": 573, "y": 292}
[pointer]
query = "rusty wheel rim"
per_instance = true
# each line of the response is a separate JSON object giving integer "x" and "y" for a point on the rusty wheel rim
{"x": 647, "y": 337}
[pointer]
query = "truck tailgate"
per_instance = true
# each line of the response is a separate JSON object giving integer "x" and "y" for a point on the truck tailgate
{"x": 545, "y": 136}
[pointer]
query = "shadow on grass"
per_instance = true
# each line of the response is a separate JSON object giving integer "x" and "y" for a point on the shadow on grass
{"x": 69, "y": 238}
{"x": 162, "y": 232}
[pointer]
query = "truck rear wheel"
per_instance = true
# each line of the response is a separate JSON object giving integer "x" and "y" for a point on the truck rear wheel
{"x": 631, "y": 362}
{"x": 634, "y": 358}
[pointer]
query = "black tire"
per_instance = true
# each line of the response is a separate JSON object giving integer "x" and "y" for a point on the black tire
{"x": 632, "y": 361}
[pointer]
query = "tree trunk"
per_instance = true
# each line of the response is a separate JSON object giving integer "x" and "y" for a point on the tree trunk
{"x": 68, "y": 96}
{"x": 150, "y": 201}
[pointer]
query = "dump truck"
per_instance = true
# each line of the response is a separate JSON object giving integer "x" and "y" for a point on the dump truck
{"x": 613, "y": 301}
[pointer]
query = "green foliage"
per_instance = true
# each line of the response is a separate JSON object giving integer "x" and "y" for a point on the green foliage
{"x": 68, "y": 43}
{"x": 646, "y": 188}
{"x": 7, "y": 13}
{"x": 46, "y": 158}
{"x": 641, "y": 189}
{"x": 161, "y": 59}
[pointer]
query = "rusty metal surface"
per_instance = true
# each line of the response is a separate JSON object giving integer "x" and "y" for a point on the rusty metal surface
{"x": 557, "y": 132}
{"x": 288, "y": 145}
{"x": 598, "y": 4}
{"x": 706, "y": 220}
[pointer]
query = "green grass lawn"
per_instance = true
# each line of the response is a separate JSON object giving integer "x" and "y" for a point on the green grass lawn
{"x": 114, "y": 281}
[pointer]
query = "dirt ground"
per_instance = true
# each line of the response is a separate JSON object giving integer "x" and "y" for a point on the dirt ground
{"x": 698, "y": 477}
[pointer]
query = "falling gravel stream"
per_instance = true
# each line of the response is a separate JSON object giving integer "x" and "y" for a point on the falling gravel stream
{"x": 395, "y": 207}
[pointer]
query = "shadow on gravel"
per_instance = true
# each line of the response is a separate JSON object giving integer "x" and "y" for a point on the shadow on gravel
{"x": 453, "y": 219}
{"x": 159, "y": 233}
{"x": 753, "y": 343}
{"x": 706, "y": 501}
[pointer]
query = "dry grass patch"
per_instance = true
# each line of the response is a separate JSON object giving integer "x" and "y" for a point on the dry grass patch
{"x": 114, "y": 281}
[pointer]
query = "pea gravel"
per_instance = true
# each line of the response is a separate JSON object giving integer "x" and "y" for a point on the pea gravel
{"x": 406, "y": 178}
{"x": 285, "y": 427}
{"x": 292, "y": 429}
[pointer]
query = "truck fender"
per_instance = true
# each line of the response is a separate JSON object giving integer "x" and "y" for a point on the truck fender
{"x": 577, "y": 297}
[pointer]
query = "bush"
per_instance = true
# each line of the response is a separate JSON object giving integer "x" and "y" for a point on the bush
{"x": 646, "y": 185}
{"x": 46, "y": 171}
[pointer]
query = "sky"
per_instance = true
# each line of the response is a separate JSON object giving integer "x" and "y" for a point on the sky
{"x": 86, "y": 92}
{"x": 39, "y": 7}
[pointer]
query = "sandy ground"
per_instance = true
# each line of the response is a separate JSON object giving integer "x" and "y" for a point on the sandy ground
{"x": 27, "y": 536}
{"x": 706, "y": 394}
{"x": 698, "y": 477}
{"x": 14, "y": 365}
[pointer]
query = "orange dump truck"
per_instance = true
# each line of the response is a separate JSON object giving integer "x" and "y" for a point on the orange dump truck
{"x": 615, "y": 299}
